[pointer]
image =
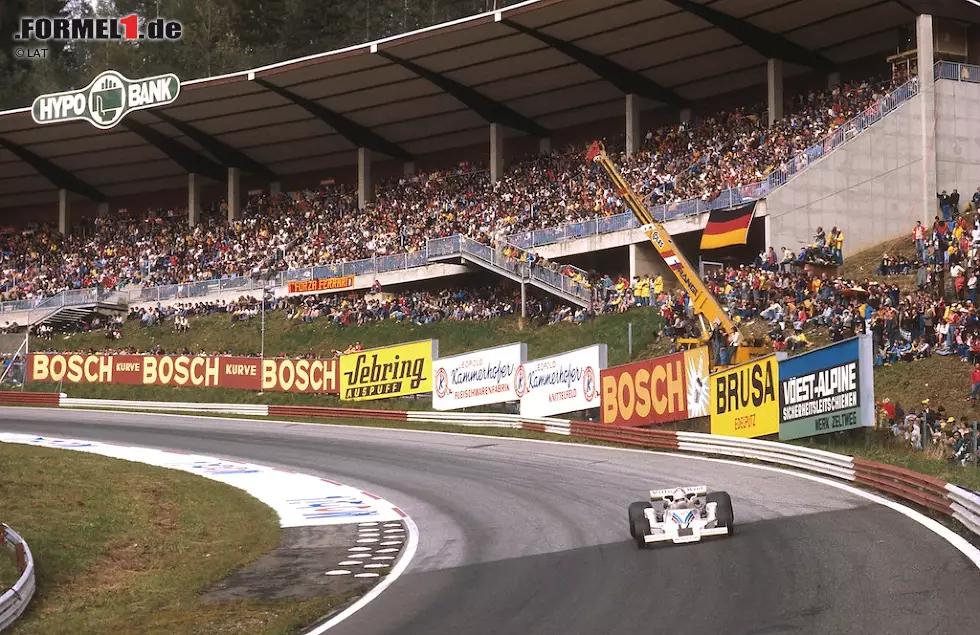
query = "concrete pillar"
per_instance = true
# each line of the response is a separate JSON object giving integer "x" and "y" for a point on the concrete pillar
{"x": 645, "y": 261}
{"x": 275, "y": 188}
{"x": 833, "y": 80}
{"x": 365, "y": 189}
{"x": 927, "y": 92}
{"x": 234, "y": 194}
{"x": 64, "y": 211}
{"x": 103, "y": 210}
{"x": 633, "y": 138}
{"x": 544, "y": 146}
{"x": 774, "y": 80}
{"x": 193, "y": 200}
{"x": 686, "y": 115}
{"x": 408, "y": 169}
{"x": 496, "y": 152}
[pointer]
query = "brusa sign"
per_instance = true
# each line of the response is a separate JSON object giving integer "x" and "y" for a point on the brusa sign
{"x": 105, "y": 101}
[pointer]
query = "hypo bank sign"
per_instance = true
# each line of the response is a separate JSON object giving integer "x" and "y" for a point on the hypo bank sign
{"x": 105, "y": 101}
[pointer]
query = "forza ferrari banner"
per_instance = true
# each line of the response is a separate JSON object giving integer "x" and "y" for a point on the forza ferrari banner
{"x": 567, "y": 382}
{"x": 391, "y": 371}
{"x": 826, "y": 390}
{"x": 669, "y": 388}
{"x": 319, "y": 285}
{"x": 745, "y": 399}
{"x": 479, "y": 378}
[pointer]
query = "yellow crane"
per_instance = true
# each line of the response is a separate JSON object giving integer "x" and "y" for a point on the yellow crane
{"x": 704, "y": 304}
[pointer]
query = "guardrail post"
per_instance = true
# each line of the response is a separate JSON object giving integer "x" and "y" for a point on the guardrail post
{"x": 973, "y": 449}
{"x": 21, "y": 557}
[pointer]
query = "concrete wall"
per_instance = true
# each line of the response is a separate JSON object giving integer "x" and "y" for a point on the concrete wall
{"x": 958, "y": 137}
{"x": 871, "y": 188}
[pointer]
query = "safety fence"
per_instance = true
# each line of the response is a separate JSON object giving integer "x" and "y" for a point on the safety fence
{"x": 14, "y": 601}
{"x": 922, "y": 490}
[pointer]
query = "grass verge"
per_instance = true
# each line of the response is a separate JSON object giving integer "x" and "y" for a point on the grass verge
{"x": 8, "y": 572}
{"x": 125, "y": 547}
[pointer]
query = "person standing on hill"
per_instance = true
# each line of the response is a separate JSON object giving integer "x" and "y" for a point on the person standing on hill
{"x": 975, "y": 385}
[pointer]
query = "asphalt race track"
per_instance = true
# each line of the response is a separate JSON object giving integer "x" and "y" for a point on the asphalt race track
{"x": 524, "y": 538}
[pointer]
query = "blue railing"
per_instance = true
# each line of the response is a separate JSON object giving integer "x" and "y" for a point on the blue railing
{"x": 958, "y": 72}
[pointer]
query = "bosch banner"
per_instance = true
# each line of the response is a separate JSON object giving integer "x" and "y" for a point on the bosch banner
{"x": 658, "y": 390}
{"x": 392, "y": 371}
{"x": 301, "y": 375}
{"x": 745, "y": 399}
{"x": 478, "y": 378}
{"x": 320, "y": 285}
{"x": 245, "y": 373}
{"x": 564, "y": 383}
{"x": 823, "y": 390}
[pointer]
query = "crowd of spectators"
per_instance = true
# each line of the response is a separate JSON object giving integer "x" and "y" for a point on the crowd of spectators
{"x": 928, "y": 429}
{"x": 323, "y": 225}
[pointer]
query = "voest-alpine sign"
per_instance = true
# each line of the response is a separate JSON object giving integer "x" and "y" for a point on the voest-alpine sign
{"x": 108, "y": 99}
{"x": 669, "y": 388}
{"x": 391, "y": 371}
{"x": 827, "y": 390}
{"x": 745, "y": 399}
{"x": 563, "y": 383}
{"x": 478, "y": 378}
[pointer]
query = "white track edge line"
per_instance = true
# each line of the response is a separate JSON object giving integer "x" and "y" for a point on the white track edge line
{"x": 367, "y": 598}
{"x": 958, "y": 542}
{"x": 403, "y": 561}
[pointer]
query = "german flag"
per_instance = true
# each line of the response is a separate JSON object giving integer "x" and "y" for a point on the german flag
{"x": 728, "y": 227}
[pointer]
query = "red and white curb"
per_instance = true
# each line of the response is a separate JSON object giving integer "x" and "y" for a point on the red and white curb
{"x": 300, "y": 500}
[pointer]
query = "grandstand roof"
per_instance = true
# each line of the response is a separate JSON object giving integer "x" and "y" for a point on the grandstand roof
{"x": 537, "y": 66}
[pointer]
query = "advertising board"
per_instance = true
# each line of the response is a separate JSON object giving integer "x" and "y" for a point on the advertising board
{"x": 745, "y": 399}
{"x": 821, "y": 391}
{"x": 478, "y": 378}
{"x": 245, "y": 373}
{"x": 318, "y": 285}
{"x": 390, "y": 371}
{"x": 669, "y": 388}
{"x": 562, "y": 383}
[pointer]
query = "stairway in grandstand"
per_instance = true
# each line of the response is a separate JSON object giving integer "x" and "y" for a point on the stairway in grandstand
{"x": 72, "y": 314}
{"x": 556, "y": 283}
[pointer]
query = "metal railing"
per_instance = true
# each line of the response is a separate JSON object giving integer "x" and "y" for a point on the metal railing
{"x": 958, "y": 72}
{"x": 437, "y": 247}
{"x": 14, "y": 601}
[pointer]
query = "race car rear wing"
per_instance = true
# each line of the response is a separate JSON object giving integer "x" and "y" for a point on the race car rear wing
{"x": 662, "y": 494}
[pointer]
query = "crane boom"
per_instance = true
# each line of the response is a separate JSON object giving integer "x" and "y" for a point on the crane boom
{"x": 705, "y": 306}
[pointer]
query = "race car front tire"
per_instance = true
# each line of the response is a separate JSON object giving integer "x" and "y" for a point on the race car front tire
{"x": 640, "y": 528}
{"x": 723, "y": 511}
{"x": 637, "y": 512}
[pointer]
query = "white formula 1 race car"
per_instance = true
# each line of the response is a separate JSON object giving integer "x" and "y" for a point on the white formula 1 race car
{"x": 682, "y": 517}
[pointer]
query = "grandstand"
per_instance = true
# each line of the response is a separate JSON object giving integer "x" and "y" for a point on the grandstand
{"x": 382, "y": 149}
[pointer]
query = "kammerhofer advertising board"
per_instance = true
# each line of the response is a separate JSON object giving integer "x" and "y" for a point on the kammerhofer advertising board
{"x": 478, "y": 378}
{"x": 827, "y": 390}
{"x": 563, "y": 383}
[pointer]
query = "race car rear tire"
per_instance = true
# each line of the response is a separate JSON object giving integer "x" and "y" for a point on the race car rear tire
{"x": 723, "y": 512}
{"x": 636, "y": 512}
{"x": 640, "y": 528}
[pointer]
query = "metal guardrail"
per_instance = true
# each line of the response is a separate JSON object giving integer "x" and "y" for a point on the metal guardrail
{"x": 437, "y": 247}
{"x": 14, "y": 601}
